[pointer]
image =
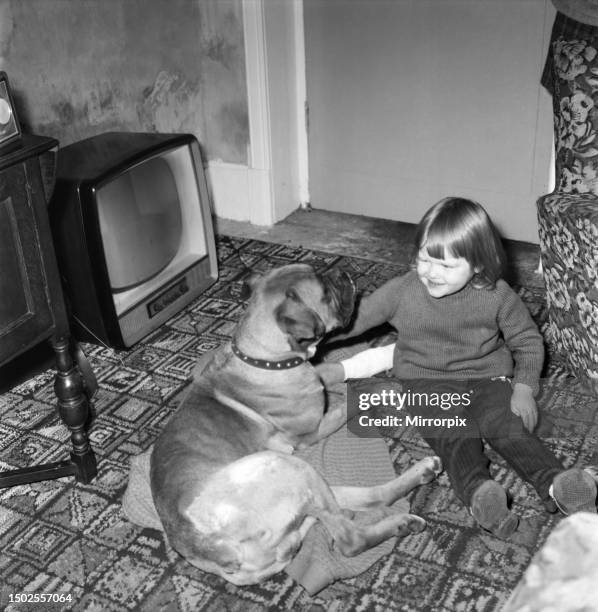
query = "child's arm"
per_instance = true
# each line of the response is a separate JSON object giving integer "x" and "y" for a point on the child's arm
{"x": 527, "y": 348}
{"x": 369, "y": 362}
{"x": 377, "y": 308}
{"x": 362, "y": 365}
{"x": 523, "y": 339}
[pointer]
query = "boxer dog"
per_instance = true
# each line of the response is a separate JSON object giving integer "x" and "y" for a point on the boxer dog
{"x": 231, "y": 497}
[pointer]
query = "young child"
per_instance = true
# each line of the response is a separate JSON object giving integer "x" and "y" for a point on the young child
{"x": 462, "y": 331}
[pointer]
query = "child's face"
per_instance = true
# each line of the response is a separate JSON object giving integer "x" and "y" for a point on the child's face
{"x": 442, "y": 277}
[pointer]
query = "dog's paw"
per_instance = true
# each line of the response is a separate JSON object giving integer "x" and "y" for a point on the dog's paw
{"x": 431, "y": 467}
{"x": 410, "y": 524}
{"x": 330, "y": 373}
{"x": 279, "y": 442}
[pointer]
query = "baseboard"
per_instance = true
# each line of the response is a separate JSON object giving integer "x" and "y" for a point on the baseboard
{"x": 240, "y": 193}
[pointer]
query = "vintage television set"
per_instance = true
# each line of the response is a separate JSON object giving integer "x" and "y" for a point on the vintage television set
{"x": 132, "y": 228}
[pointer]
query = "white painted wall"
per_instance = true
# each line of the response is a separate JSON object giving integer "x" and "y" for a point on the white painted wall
{"x": 414, "y": 100}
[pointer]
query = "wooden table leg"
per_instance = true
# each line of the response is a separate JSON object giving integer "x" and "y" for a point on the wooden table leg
{"x": 73, "y": 407}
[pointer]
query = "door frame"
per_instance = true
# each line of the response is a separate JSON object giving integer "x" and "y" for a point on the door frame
{"x": 278, "y": 170}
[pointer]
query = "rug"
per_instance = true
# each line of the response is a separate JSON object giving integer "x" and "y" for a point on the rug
{"x": 59, "y": 537}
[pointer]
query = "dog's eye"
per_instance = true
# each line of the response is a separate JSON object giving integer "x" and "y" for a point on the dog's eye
{"x": 292, "y": 295}
{"x": 307, "y": 341}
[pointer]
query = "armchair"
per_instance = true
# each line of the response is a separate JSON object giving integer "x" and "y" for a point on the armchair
{"x": 568, "y": 217}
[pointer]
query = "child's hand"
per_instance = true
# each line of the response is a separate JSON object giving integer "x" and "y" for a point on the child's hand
{"x": 523, "y": 405}
{"x": 330, "y": 373}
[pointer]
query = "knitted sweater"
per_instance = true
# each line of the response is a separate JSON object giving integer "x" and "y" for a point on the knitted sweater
{"x": 474, "y": 333}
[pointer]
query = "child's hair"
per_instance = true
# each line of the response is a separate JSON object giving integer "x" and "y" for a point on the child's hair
{"x": 457, "y": 227}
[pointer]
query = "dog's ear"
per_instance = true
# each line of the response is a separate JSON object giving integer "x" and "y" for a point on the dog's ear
{"x": 302, "y": 325}
{"x": 249, "y": 285}
{"x": 340, "y": 292}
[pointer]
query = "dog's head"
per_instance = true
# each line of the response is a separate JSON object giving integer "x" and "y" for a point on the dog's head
{"x": 305, "y": 304}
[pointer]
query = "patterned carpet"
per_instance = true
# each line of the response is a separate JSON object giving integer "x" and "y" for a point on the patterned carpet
{"x": 59, "y": 537}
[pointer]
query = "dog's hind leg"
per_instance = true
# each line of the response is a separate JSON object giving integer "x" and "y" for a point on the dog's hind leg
{"x": 352, "y": 538}
{"x": 359, "y": 498}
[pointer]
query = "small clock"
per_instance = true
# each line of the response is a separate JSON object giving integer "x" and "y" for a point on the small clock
{"x": 10, "y": 130}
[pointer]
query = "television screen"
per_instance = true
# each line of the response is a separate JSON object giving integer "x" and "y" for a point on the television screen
{"x": 141, "y": 223}
{"x": 131, "y": 221}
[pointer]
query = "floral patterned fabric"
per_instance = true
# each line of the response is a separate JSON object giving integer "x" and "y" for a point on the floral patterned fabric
{"x": 568, "y": 217}
{"x": 571, "y": 76}
{"x": 569, "y": 246}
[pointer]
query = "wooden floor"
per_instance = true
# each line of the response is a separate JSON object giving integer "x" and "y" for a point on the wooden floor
{"x": 360, "y": 236}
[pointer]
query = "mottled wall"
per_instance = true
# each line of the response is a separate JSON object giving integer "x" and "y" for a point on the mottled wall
{"x": 81, "y": 67}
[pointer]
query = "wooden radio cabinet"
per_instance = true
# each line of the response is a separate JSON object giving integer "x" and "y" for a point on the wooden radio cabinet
{"x": 32, "y": 308}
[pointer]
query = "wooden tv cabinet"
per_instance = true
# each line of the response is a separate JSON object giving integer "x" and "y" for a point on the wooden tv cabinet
{"x": 32, "y": 308}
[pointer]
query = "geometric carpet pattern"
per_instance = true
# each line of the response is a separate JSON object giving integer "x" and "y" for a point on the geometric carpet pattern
{"x": 62, "y": 538}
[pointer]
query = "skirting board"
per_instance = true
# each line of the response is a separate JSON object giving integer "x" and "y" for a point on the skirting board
{"x": 241, "y": 193}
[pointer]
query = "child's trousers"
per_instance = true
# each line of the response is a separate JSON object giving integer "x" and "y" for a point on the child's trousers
{"x": 476, "y": 410}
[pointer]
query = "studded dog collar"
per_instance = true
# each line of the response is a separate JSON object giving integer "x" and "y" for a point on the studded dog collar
{"x": 265, "y": 364}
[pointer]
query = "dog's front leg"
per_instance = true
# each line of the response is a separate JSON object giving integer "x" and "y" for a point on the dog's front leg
{"x": 332, "y": 420}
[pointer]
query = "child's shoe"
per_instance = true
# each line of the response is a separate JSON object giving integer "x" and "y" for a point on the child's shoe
{"x": 489, "y": 508}
{"x": 574, "y": 490}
